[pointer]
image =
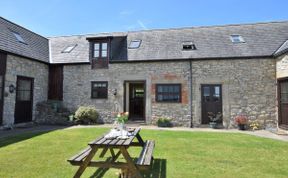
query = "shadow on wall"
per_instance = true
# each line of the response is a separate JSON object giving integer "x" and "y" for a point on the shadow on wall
{"x": 158, "y": 169}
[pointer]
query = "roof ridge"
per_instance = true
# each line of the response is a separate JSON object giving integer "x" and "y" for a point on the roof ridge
{"x": 210, "y": 26}
{"x": 22, "y": 27}
{"x": 173, "y": 28}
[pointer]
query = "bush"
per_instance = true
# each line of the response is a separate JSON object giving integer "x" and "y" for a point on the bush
{"x": 164, "y": 122}
{"x": 86, "y": 115}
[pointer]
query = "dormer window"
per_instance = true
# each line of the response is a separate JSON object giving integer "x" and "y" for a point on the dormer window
{"x": 188, "y": 45}
{"x": 237, "y": 39}
{"x": 100, "y": 50}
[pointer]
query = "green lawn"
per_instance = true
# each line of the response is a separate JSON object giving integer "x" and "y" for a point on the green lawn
{"x": 177, "y": 154}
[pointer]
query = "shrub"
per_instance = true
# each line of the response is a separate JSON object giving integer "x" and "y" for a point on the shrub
{"x": 86, "y": 115}
{"x": 164, "y": 122}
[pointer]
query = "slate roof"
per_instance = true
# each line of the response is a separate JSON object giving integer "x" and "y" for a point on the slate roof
{"x": 36, "y": 46}
{"x": 261, "y": 40}
{"x": 283, "y": 49}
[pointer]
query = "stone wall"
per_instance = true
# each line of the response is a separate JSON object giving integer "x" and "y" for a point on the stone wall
{"x": 28, "y": 68}
{"x": 77, "y": 88}
{"x": 248, "y": 87}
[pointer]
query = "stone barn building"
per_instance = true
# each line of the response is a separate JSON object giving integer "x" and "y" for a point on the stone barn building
{"x": 180, "y": 73}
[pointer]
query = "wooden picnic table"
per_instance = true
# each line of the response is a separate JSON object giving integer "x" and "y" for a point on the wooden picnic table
{"x": 116, "y": 147}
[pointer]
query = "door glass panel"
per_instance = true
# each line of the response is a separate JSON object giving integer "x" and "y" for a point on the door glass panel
{"x": 1, "y": 89}
{"x": 206, "y": 93}
{"x": 284, "y": 92}
{"x": 24, "y": 90}
{"x": 216, "y": 94}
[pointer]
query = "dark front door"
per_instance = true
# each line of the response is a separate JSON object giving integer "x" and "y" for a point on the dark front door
{"x": 283, "y": 101}
{"x": 136, "y": 101}
{"x": 24, "y": 99}
{"x": 3, "y": 58}
{"x": 1, "y": 97}
{"x": 211, "y": 96}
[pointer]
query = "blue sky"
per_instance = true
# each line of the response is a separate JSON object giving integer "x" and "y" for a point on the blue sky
{"x": 67, "y": 17}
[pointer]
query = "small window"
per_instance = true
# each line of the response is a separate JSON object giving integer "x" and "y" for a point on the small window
{"x": 237, "y": 39}
{"x": 100, "y": 50}
{"x": 188, "y": 45}
{"x": 168, "y": 93}
{"x": 99, "y": 90}
{"x": 19, "y": 37}
{"x": 68, "y": 49}
{"x": 135, "y": 44}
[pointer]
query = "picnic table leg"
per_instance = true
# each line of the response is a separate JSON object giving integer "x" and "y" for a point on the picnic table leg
{"x": 85, "y": 163}
{"x": 140, "y": 140}
{"x": 132, "y": 166}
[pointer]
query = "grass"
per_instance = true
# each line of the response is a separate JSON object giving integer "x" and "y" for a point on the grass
{"x": 177, "y": 154}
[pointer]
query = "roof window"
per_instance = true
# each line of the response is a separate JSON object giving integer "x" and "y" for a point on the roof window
{"x": 135, "y": 44}
{"x": 18, "y": 37}
{"x": 237, "y": 39}
{"x": 188, "y": 45}
{"x": 68, "y": 49}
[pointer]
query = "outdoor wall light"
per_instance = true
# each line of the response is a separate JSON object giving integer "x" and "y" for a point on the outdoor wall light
{"x": 115, "y": 92}
{"x": 11, "y": 88}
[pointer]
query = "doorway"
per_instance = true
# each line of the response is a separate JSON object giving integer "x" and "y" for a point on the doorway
{"x": 3, "y": 58}
{"x": 283, "y": 102}
{"x": 211, "y": 101}
{"x": 135, "y": 100}
{"x": 24, "y": 99}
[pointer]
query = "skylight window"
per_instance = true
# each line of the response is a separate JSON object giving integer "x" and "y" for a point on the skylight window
{"x": 68, "y": 49}
{"x": 135, "y": 44}
{"x": 18, "y": 37}
{"x": 188, "y": 45}
{"x": 237, "y": 39}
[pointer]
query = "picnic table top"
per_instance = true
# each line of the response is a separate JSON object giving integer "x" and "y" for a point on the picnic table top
{"x": 102, "y": 141}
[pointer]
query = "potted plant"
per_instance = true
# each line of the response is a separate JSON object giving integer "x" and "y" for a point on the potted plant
{"x": 241, "y": 121}
{"x": 214, "y": 119}
{"x": 122, "y": 118}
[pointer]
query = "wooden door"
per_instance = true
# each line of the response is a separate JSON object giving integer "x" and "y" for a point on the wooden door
{"x": 136, "y": 101}
{"x": 1, "y": 97}
{"x": 55, "y": 90}
{"x": 211, "y": 96}
{"x": 24, "y": 99}
{"x": 3, "y": 58}
{"x": 283, "y": 102}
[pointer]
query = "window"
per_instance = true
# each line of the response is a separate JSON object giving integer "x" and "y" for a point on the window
{"x": 135, "y": 44}
{"x": 24, "y": 90}
{"x": 18, "y": 37}
{"x": 168, "y": 93}
{"x": 99, "y": 90}
{"x": 100, "y": 50}
{"x": 188, "y": 45}
{"x": 68, "y": 49}
{"x": 237, "y": 39}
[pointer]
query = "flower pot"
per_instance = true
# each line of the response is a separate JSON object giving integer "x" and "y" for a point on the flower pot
{"x": 242, "y": 126}
{"x": 213, "y": 125}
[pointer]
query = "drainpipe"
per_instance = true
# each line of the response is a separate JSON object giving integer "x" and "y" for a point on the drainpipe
{"x": 191, "y": 94}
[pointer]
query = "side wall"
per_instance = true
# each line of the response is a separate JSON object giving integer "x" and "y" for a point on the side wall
{"x": 248, "y": 87}
{"x": 77, "y": 88}
{"x": 24, "y": 67}
{"x": 282, "y": 66}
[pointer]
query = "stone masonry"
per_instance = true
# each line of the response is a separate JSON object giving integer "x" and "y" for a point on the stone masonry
{"x": 249, "y": 90}
{"x": 24, "y": 67}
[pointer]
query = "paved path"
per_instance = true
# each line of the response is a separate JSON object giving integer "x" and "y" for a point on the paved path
{"x": 259, "y": 133}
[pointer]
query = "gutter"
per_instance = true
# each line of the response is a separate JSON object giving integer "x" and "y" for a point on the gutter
{"x": 191, "y": 94}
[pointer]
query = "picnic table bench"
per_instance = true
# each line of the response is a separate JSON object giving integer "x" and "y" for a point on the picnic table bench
{"x": 116, "y": 147}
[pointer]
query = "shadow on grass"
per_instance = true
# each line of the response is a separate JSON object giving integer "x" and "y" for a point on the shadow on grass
{"x": 157, "y": 170}
{"x": 21, "y": 135}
